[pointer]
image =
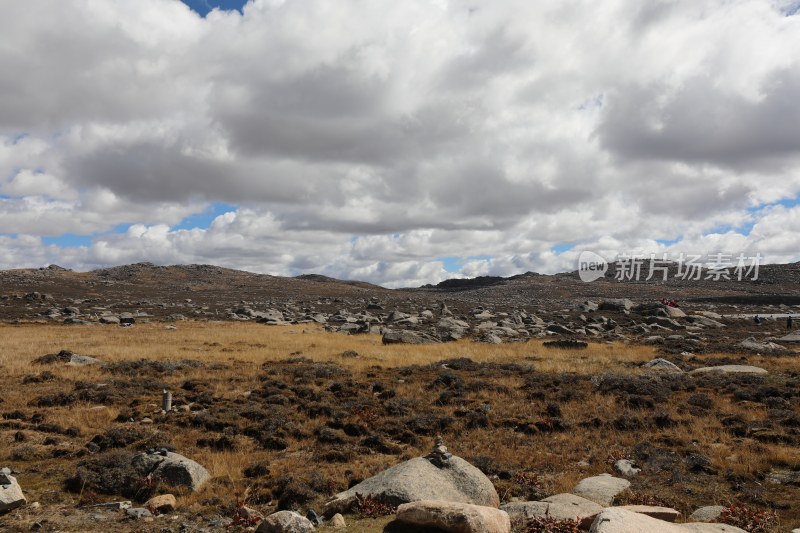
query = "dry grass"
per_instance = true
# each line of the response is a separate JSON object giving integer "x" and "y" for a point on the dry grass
{"x": 240, "y": 350}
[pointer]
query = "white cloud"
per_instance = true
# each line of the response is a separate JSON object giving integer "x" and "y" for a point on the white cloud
{"x": 372, "y": 138}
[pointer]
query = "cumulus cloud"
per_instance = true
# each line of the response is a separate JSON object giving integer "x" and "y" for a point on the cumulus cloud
{"x": 371, "y": 139}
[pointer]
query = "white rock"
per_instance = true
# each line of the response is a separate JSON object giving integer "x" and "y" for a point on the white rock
{"x": 601, "y": 489}
{"x": 709, "y": 513}
{"x": 11, "y": 495}
{"x": 454, "y": 517}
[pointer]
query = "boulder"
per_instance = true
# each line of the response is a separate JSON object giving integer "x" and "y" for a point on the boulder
{"x": 109, "y": 319}
{"x": 730, "y": 369}
{"x": 709, "y": 513}
{"x": 173, "y": 468}
{"x": 523, "y": 513}
{"x": 420, "y": 479}
{"x": 674, "y": 312}
{"x": 752, "y": 345}
{"x": 601, "y": 489}
{"x": 618, "y": 520}
{"x": 166, "y": 503}
{"x": 626, "y": 468}
{"x": 661, "y": 365}
{"x": 11, "y": 495}
{"x": 408, "y": 337}
{"x": 581, "y": 506}
{"x": 454, "y": 517}
{"x": 285, "y": 522}
{"x": 337, "y": 522}
{"x": 621, "y": 520}
{"x": 621, "y": 304}
{"x": 138, "y": 513}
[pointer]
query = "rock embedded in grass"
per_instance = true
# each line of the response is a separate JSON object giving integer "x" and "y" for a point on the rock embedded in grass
{"x": 601, "y": 489}
{"x": 11, "y": 495}
{"x": 285, "y": 522}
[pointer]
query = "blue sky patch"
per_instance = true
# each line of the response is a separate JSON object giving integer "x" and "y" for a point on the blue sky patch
{"x": 68, "y": 240}
{"x": 204, "y": 7}
{"x": 563, "y": 247}
{"x": 203, "y": 220}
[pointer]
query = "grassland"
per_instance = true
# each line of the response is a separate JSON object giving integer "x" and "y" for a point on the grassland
{"x": 535, "y": 419}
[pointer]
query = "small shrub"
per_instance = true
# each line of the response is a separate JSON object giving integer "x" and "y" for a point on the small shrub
{"x": 752, "y": 519}
{"x": 546, "y": 524}
{"x": 369, "y": 507}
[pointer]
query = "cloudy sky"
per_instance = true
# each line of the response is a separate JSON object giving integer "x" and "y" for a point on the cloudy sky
{"x": 396, "y": 142}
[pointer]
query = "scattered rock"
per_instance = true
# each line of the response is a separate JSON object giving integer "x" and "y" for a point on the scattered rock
{"x": 662, "y": 365}
{"x": 337, "y": 522}
{"x": 285, "y": 522}
{"x": 626, "y": 468}
{"x": 522, "y": 513}
{"x": 730, "y": 369}
{"x": 67, "y": 357}
{"x": 408, "y": 337}
{"x": 454, "y": 517}
{"x": 707, "y": 514}
{"x": 166, "y": 503}
{"x": 618, "y": 520}
{"x": 771, "y": 348}
{"x": 173, "y": 468}
{"x": 11, "y": 495}
{"x": 601, "y": 489}
{"x": 138, "y": 513}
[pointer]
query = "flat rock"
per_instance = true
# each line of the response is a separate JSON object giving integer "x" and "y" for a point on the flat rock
{"x": 621, "y": 520}
{"x": 522, "y": 513}
{"x": 618, "y": 520}
{"x": 751, "y": 344}
{"x": 712, "y": 528}
{"x": 662, "y": 513}
{"x": 419, "y": 479}
{"x": 11, "y": 495}
{"x": 661, "y": 365}
{"x": 601, "y": 489}
{"x": 454, "y": 517}
{"x": 709, "y": 513}
{"x": 730, "y": 369}
{"x": 173, "y": 468}
{"x": 408, "y": 337}
{"x": 285, "y": 522}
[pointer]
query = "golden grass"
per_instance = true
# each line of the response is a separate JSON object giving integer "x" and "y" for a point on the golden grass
{"x": 242, "y": 348}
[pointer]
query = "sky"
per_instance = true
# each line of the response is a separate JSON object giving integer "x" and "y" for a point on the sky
{"x": 400, "y": 143}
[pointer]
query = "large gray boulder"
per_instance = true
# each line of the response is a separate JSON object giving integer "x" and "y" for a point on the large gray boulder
{"x": 285, "y": 522}
{"x": 11, "y": 495}
{"x": 454, "y": 517}
{"x": 173, "y": 468}
{"x": 601, "y": 489}
{"x": 771, "y": 348}
{"x": 420, "y": 479}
